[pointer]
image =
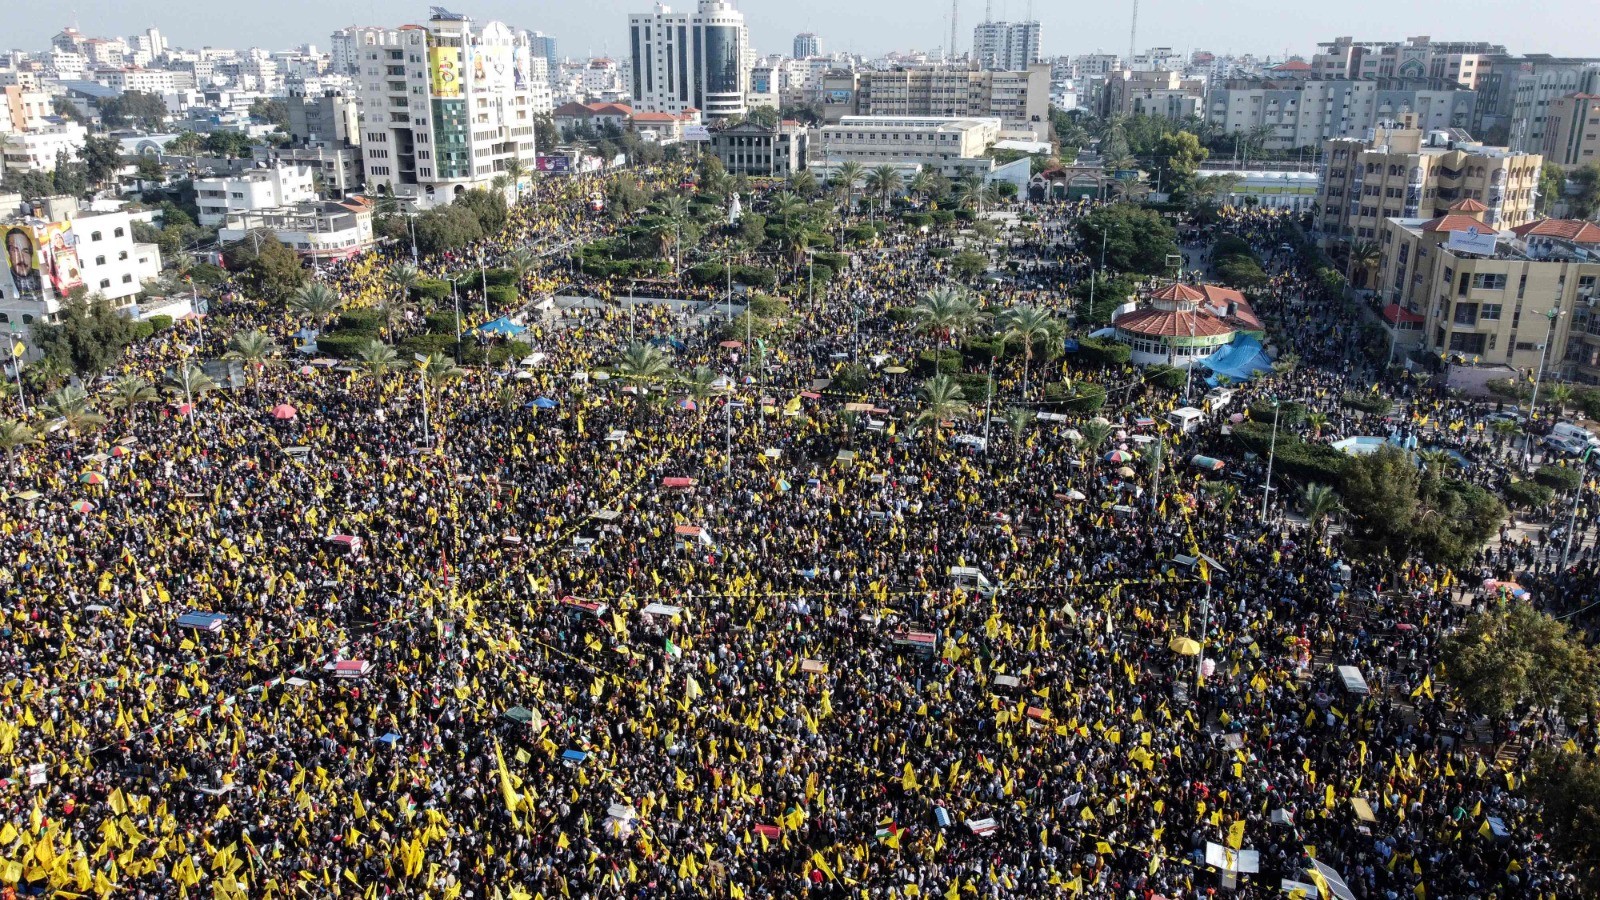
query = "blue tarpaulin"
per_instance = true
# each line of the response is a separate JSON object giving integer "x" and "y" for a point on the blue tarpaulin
{"x": 1240, "y": 360}
{"x": 501, "y": 326}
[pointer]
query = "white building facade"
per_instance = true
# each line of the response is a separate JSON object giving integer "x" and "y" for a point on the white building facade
{"x": 113, "y": 264}
{"x": 256, "y": 189}
{"x": 1007, "y": 46}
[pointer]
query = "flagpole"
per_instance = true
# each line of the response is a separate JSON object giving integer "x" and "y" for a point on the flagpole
{"x": 16, "y": 368}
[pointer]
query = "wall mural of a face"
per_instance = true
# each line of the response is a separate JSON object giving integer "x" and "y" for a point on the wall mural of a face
{"x": 20, "y": 255}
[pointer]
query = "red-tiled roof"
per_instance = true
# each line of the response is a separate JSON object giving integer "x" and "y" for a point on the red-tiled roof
{"x": 1170, "y": 323}
{"x": 1578, "y": 231}
{"x": 1178, "y": 291}
{"x": 1217, "y": 300}
{"x": 1293, "y": 65}
{"x": 654, "y": 117}
{"x": 1468, "y": 205}
{"x": 1454, "y": 222}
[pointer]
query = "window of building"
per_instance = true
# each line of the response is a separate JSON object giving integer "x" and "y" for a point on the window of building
{"x": 105, "y": 282}
{"x": 95, "y": 236}
{"x": 1489, "y": 281}
{"x": 99, "y": 260}
{"x": 1489, "y": 311}
{"x": 118, "y": 232}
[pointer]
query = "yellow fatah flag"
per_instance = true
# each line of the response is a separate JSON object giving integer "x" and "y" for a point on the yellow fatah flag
{"x": 1236, "y": 834}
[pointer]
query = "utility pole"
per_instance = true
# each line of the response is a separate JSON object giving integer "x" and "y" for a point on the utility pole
{"x": 1577, "y": 495}
{"x": 1533, "y": 402}
{"x": 954, "y": 5}
{"x": 1133, "y": 36}
{"x": 1272, "y": 452}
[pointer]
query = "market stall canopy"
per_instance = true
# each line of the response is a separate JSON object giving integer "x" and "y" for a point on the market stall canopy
{"x": 501, "y": 325}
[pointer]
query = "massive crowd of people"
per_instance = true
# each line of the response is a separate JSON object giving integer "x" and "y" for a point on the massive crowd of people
{"x": 578, "y": 637}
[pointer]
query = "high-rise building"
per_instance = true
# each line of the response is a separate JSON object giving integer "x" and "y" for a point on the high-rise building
{"x": 344, "y": 52}
{"x": 685, "y": 60}
{"x": 1572, "y": 130}
{"x": 1006, "y": 46}
{"x": 543, "y": 46}
{"x": 445, "y": 107}
{"x": 1020, "y": 100}
{"x": 806, "y": 46}
{"x": 1293, "y": 113}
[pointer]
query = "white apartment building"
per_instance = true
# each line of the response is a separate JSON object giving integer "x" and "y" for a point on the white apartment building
{"x": 949, "y": 146}
{"x": 36, "y": 150}
{"x": 320, "y": 230}
{"x": 684, "y": 60}
{"x": 253, "y": 190}
{"x": 444, "y": 108}
{"x": 1007, "y": 46}
{"x": 1306, "y": 113}
{"x": 346, "y": 45}
{"x": 111, "y": 262}
{"x": 1096, "y": 65}
{"x": 149, "y": 81}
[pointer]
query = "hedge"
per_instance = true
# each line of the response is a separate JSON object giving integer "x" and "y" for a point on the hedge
{"x": 143, "y": 330}
{"x": 1084, "y": 397}
{"x": 1528, "y": 494}
{"x": 1171, "y": 378}
{"x": 861, "y": 233}
{"x": 504, "y": 297}
{"x": 1291, "y": 414}
{"x": 918, "y": 219}
{"x": 160, "y": 322}
{"x": 1104, "y": 352}
{"x": 941, "y": 252}
{"x": 835, "y": 261}
{"x": 936, "y": 362}
{"x": 360, "y": 321}
{"x": 442, "y": 322}
{"x": 1560, "y": 478}
{"x": 431, "y": 289}
{"x": 944, "y": 216}
{"x": 980, "y": 350}
{"x": 495, "y": 355}
{"x": 426, "y": 344}
{"x": 497, "y": 277}
{"x": 342, "y": 345}
{"x": 1291, "y": 455}
{"x": 766, "y": 306}
{"x": 974, "y": 387}
{"x": 1374, "y": 404}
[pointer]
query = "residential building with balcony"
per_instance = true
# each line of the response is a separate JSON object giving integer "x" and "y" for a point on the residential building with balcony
{"x": 254, "y": 189}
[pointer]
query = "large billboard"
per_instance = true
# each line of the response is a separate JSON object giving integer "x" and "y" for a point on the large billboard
{"x": 492, "y": 68}
{"x": 552, "y": 164}
{"x": 40, "y": 256}
{"x": 1481, "y": 241}
{"x": 444, "y": 66}
{"x": 58, "y": 256}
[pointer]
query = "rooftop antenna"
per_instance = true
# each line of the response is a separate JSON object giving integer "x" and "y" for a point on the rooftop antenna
{"x": 988, "y": 11}
{"x": 954, "y": 4}
{"x": 1133, "y": 35}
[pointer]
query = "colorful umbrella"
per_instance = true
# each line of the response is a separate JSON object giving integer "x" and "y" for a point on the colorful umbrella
{"x": 1118, "y": 456}
{"x": 1184, "y": 646}
{"x": 83, "y": 506}
{"x": 283, "y": 412}
{"x": 731, "y": 345}
{"x": 1125, "y": 472}
{"x": 686, "y": 403}
{"x": 91, "y": 478}
{"x": 120, "y": 451}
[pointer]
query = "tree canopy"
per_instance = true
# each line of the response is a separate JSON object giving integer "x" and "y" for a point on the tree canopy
{"x": 1136, "y": 240}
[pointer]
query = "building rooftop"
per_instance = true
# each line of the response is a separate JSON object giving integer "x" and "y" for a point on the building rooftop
{"x": 1578, "y": 231}
{"x": 1454, "y": 222}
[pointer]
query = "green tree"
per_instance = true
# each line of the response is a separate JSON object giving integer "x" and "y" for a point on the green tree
{"x": 318, "y": 301}
{"x": 1399, "y": 510}
{"x": 1030, "y": 327}
{"x": 1552, "y": 187}
{"x": 1178, "y": 156}
{"x": 70, "y": 406}
{"x": 942, "y": 401}
{"x": 643, "y": 362}
{"x": 271, "y": 268}
{"x": 1513, "y": 659}
{"x": 446, "y": 228}
{"x": 765, "y": 116}
{"x": 187, "y": 143}
{"x": 1583, "y": 203}
{"x": 86, "y": 338}
{"x": 946, "y": 311}
{"x": 803, "y": 182}
{"x": 488, "y": 206}
{"x": 228, "y": 144}
{"x": 130, "y": 392}
{"x": 1135, "y": 239}
{"x": 102, "y": 157}
{"x": 14, "y": 436}
{"x": 1567, "y": 786}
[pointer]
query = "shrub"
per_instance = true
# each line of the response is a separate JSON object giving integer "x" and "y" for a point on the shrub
{"x": 938, "y": 362}
{"x": 918, "y": 219}
{"x": 975, "y": 386}
{"x": 706, "y": 273}
{"x": 159, "y": 322}
{"x": 342, "y": 345}
{"x": 1528, "y": 494}
{"x": 1371, "y": 403}
{"x": 941, "y": 252}
{"x": 500, "y": 277}
{"x": 1560, "y": 478}
{"x": 1510, "y": 389}
{"x": 964, "y": 215}
{"x": 767, "y": 306}
{"x": 980, "y": 350}
{"x": 425, "y": 344}
{"x": 835, "y": 261}
{"x": 1104, "y": 352}
{"x": 494, "y": 355}
{"x": 970, "y": 264}
{"x": 1081, "y": 397}
{"x": 142, "y": 330}
{"x": 1169, "y": 377}
{"x": 1292, "y": 456}
{"x": 360, "y": 321}
{"x": 861, "y": 233}
{"x": 745, "y": 326}
{"x": 902, "y": 314}
{"x": 503, "y": 297}
{"x": 442, "y": 322}
{"x": 852, "y": 379}
{"x": 431, "y": 289}
{"x": 1291, "y": 414}
{"x": 944, "y": 216}
{"x": 755, "y": 276}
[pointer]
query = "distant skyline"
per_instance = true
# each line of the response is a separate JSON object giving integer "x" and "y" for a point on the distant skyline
{"x": 598, "y": 27}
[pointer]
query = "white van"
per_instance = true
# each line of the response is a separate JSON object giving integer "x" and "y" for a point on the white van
{"x": 1219, "y": 398}
{"x": 970, "y": 579}
{"x": 1185, "y": 419}
{"x": 1573, "y": 433}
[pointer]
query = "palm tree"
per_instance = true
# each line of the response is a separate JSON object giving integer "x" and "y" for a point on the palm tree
{"x": 1223, "y": 494}
{"x": 128, "y": 392}
{"x": 643, "y": 362}
{"x": 440, "y": 369}
{"x": 1028, "y": 325}
{"x": 1095, "y": 434}
{"x": 189, "y": 381}
{"x": 514, "y": 170}
{"x": 1018, "y": 420}
{"x": 404, "y": 279}
{"x": 921, "y": 185}
{"x": 1320, "y": 503}
{"x": 70, "y": 406}
{"x": 1504, "y": 429}
{"x": 1558, "y": 394}
{"x": 252, "y": 348}
{"x": 318, "y": 301}
{"x": 698, "y": 384}
{"x": 1286, "y": 363}
{"x": 521, "y": 262}
{"x": 969, "y": 192}
{"x": 390, "y": 315}
{"x": 1363, "y": 256}
{"x": 846, "y": 179}
{"x": 377, "y": 357}
{"x": 14, "y": 436}
{"x": 946, "y": 311}
{"x": 786, "y": 205}
{"x": 803, "y": 182}
{"x": 884, "y": 181}
{"x": 1317, "y": 421}
{"x": 942, "y": 399}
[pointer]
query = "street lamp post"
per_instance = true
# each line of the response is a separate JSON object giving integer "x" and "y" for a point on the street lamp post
{"x": 988, "y": 405}
{"x": 1272, "y": 452}
{"x": 1533, "y": 401}
{"x": 1205, "y": 626}
{"x": 1577, "y": 495}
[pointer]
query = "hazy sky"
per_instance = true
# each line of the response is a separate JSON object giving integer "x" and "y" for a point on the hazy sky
{"x": 1566, "y": 27}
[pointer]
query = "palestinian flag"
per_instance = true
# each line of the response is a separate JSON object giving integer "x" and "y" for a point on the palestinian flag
{"x": 673, "y": 650}
{"x": 885, "y": 828}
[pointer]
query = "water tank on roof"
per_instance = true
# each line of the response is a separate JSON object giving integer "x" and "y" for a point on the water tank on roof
{"x": 1438, "y": 139}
